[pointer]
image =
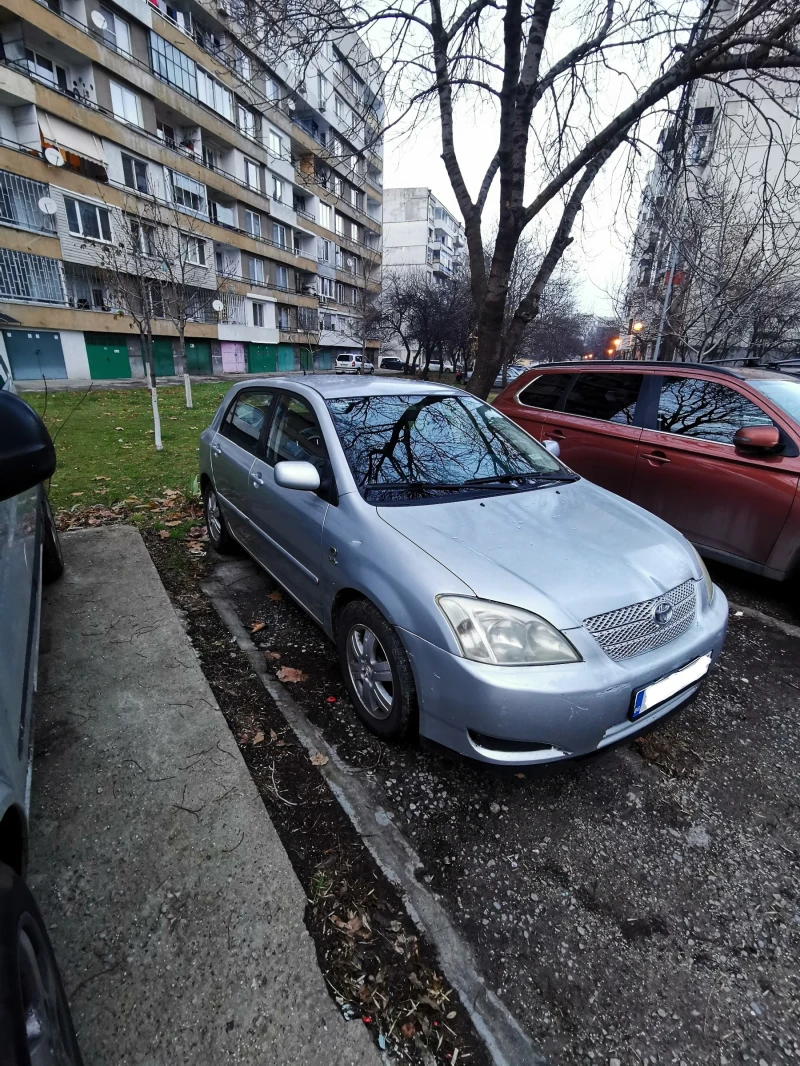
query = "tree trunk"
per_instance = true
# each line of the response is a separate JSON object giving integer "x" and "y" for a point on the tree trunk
{"x": 146, "y": 340}
{"x": 186, "y": 381}
{"x": 489, "y": 356}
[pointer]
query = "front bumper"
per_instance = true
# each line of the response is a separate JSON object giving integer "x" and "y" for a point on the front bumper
{"x": 529, "y": 715}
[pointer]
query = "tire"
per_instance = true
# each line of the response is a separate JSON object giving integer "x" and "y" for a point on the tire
{"x": 386, "y": 698}
{"x": 218, "y": 534}
{"x": 35, "y": 1023}
{"x": 52, "y": 556}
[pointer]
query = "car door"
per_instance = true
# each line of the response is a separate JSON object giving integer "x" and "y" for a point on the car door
{"x": 597, "y": 429}
{"x": 689, "y": 473}
{"x": 290, "y": 522}
{"x": 233, "y": 451}
{"x": 529, "y": 406}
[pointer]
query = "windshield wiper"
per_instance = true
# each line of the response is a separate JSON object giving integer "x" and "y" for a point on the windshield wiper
{"x": 426, "y": 486}
{"x": 537, "y": 476}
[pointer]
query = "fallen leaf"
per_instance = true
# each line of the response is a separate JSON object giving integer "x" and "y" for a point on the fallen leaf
{"x": 273, "y": 655}
{"x": 318, "y": 759}
{"x": 76, "y": 494}
{"x": 273, "y": 735}
{"x": 408, "y": 1029}
{"x": 164, "y": 534}
{"x": 174, "y": 522}
{"x": 276, "y": 595}
{"x": 291, "y": 675}
{"x": 451, "y": 1015}
{"x": 351, "y": 926}
{"x": 101, "y": 477}
{"x": 118, "y": 427}
{"x": 256, "y": 627}
{"x": 258, "y": 738}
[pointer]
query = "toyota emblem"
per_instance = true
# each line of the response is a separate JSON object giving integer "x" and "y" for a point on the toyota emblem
{"x": 662, "y": 613}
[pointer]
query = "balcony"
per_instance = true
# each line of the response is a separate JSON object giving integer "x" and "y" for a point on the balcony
{"x": 19, "y": 204}
{"x": 30, "y": 278}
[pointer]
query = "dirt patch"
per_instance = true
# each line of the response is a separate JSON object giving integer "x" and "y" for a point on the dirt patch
{"x": 377, "y": 966}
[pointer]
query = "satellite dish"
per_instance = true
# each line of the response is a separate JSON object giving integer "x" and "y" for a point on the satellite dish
{"x": 100, "y": 21}
{"x": 217, "y": 305}
{"x": 47, "y": 205}
{"x": 350, "y": 262}
{"x": 54, "y": 157}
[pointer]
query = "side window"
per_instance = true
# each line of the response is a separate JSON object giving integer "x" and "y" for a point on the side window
{"x": 546, "y": 391}
{"x": 246, "y": 417}
{"x": 609, "y": 397}
{"x": 296, "y": 435}
{"x": 705, "y": 409}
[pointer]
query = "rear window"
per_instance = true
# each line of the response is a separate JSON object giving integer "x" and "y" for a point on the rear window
{"x": 609, "y": 397}
{"x": 545, "y": 391}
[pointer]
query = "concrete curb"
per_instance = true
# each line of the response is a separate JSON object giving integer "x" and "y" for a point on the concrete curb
{"x": 505, "y": 1039}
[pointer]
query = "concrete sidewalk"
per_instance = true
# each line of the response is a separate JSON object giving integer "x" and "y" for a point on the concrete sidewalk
{"x": 173, "y": 908}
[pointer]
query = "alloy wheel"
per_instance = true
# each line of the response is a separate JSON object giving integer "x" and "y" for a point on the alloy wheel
{"x": 370, "y": 671}
{"x": 47, "y": 1040}
{"x": 213, "y": 515}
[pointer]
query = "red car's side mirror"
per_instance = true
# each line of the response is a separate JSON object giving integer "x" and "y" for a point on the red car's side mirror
{"x": 758, "y": 439}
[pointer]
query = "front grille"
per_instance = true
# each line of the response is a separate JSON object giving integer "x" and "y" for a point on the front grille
{"x": 632, "y": 630}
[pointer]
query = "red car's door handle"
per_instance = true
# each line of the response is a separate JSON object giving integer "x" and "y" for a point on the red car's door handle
{"x": 555, "y": 434}
{"x": 656, "y": 458}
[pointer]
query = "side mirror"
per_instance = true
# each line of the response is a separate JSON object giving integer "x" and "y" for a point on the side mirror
{"x": 757, "y": 439}
{"x": 27, "y": 455}
{"x": 553, "y": 447}
{"x": 297, "y": 475}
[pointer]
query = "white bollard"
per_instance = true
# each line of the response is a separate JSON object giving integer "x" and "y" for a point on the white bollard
{"x": 156, "y": 420}
{"x": 188, "y": 386}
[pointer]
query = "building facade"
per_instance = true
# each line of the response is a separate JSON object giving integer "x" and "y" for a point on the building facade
{"x": 420, "y": 234}
{"x": 715, "y": 264}
{"x": 174, "y": 117}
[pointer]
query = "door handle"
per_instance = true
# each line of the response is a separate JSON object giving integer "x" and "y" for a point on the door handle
{"x": 555, "y": 434}
{"x": 656, "y": 458}
{"x": 216, "y": 448}
{"x": 258, "y": 480}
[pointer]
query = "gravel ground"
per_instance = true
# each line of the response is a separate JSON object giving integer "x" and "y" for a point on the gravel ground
{"x": 639, "y": 908}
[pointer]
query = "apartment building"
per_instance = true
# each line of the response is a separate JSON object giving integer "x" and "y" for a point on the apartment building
{"x": 419, "y": 233}
{"x": 138, "y": 109}
{"x": 715, "y": 260}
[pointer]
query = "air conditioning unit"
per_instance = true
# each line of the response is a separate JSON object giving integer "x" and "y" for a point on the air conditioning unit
{"x": 223, "y": 10}
{"x": 291, "y": 105}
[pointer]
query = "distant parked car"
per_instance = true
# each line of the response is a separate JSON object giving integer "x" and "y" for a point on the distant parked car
{"x": 715, "y": 451}
{"x": 35, "y": 1024}
{"x": 354, "y": 364}
{"x": 391, "y": 363}
{"x": 526, "y": 616}
{"x": 512, "y": 374}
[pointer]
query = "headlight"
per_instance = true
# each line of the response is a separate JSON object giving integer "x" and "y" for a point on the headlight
{"x": 709, "y": 584}
{"x": 490, "y": 632}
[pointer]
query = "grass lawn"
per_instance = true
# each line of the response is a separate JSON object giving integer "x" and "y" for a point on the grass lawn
{"x": 104, "y": 442}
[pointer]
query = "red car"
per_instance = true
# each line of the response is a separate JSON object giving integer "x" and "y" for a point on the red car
{"x": 713, "y": 451}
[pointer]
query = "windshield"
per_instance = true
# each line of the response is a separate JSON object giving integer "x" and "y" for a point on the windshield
{"x": 429, "y": 446}
{"x": 785, "y": 394}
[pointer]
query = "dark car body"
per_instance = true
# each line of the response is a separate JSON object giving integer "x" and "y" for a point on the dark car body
{"x": 662, "y": 435}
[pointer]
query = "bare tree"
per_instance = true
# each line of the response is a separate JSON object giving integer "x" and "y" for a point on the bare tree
{"x": 569, "y": 86}
{"x": 433, "y": 317}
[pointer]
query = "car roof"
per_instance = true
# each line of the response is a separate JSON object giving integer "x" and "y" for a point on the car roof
{"x": 334, "y": 386}
{"x": 741, "y": 372}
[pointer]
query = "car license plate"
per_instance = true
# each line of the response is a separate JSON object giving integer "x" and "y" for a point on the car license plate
{"x": 647, "y": 698}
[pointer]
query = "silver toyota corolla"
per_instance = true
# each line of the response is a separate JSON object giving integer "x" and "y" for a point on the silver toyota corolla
{"x": 477, "y": 589}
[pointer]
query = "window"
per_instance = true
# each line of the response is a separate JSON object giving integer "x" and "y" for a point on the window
{"x": 281, "y": 277}
{"x": 610, "y": 397}
{"x": 125, "y": 105}
{"x": 325, "y": 215}
{"x": 143, "y": 237}
{"x": 699, "y": 147}
{"x": 703, "y": 116}
{"x": 215, "y": 95}
{"x": 277, "y": 189}
{"x": 222, "y": 214}
{"x": 295, "y": 434}
{"x": 283, "y": 317}
{"x": 253, "y": 223}
{"x": 341, "y": 293}
{"x": 545, "y": 392}
{"x": 242, "y": 65}
{"x": 705, "y": 409}
{"x": 193, "y": 249}
{"x": 246, "y": 418}
{"x": 210, "y": 157}
{"x": 273, "y": 90}
{"x": 252, "y": 174}
{"x": 166, "y": 133}
{"x": 323, "y": 250}
{"x": 256, "y": 270}
{"x": 258, "y": 314}
{"x": 172, "y": 65}
{"x": 188, "y": 193}
{"x": 326, "y": 287}
{"x": 339, "y": 225}
{"x": 278, "y": 235}
{"x": 338, "y": 185}
{"x": 354, "y": 231}
{"x": 275, "y": 144}
{"x": 322, "y": 89}
{"x": 135, "y": 173}
{"x": 88, "y": 220}
{"x": 246, "y": 121}
{"x": 45, "y": 69}
{"x": 339, "y": 106}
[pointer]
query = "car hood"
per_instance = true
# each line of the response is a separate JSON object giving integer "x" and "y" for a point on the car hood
{"x": 566, "y": 553}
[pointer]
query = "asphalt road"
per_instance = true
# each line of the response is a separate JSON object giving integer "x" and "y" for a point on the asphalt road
{"x": 639, "y": 908}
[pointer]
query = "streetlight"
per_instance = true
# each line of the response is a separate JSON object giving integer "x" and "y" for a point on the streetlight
{"x": 637, "y": 327}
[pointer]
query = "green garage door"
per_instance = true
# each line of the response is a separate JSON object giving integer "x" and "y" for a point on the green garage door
{"x": 198, "y": 357}
{"x": 261, "y": 358}
{"x": 108, "y": 355}
{"x": 285, "y": 357}
{"x": 306, "y": 359}
{"x": 163, "y": 361}
{"x": 324, "y": 360}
